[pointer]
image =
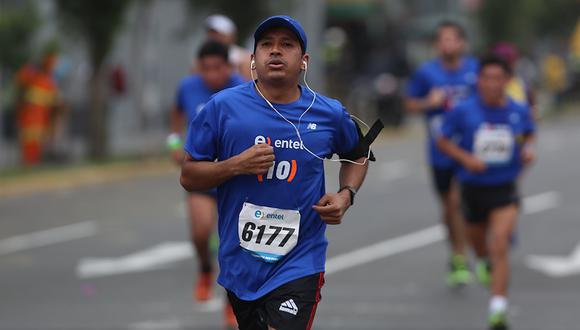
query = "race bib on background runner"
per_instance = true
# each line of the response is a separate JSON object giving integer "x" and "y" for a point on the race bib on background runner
{"x": 494, "y": 144}
{"x": 268, "y": 233}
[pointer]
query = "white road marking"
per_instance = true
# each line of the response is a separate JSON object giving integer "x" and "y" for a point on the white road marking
{"x": 170, "y": 324}
{"x": 47, "y": 237}
{"x": 211, "y": 306}
{"x": 385, "y": 249}
{"x": 556, "y": 266}
{"x": 157, "y": 257}
{"x": 541, "y": 202}
{"x": 421, "y": 238}
{"x": 165, "y": 254}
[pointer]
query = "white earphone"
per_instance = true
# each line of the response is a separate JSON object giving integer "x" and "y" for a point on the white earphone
{"x": 252, "y": 66}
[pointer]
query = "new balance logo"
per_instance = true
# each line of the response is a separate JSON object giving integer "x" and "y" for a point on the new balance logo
{"x": 289, "y": 307}
{"x": 311, "y": 126}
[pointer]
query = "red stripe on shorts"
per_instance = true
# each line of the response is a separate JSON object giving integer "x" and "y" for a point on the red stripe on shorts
{"x": 320, "y": 284}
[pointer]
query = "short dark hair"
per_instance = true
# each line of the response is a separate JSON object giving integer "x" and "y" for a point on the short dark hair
{"x": 451, "y": 25}
{"x": 213, "y": 48}
{"x": 492, "y": 59}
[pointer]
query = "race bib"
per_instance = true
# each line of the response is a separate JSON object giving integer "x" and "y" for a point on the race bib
{"x": 268, "y": 233}
{"x": 494, "y": 144}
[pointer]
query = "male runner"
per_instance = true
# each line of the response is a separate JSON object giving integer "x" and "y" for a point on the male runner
{"x": 214, "y": 74}
{"x": 268, "y": 139}
{"x": 435, "y": 87}
{"x": 495, "y": 135}
{"x": 222, "y": 29}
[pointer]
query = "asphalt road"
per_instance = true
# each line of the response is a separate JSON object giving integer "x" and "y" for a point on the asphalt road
{"x": 115, "y": 255}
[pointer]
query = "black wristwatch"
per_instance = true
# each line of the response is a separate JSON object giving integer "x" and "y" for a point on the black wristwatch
{"x": 352, "y": 192}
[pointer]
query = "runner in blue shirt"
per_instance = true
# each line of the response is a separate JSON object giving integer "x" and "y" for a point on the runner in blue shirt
{"x": 495, "y": 135}
{"x": 214, "y": 74}
{"x": 263, "y": 144}
{"x": 436, "y": 86}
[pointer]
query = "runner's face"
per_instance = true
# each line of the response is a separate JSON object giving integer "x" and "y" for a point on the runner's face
{"x": 492, "y": 84}
{"x": 449, "y": 43}
{"x": 278, "y": 56}
{"x": 215, "y": 71}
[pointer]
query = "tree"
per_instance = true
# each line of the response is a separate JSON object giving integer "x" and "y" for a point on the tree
{"x": 17, "y": 27}
{"x": 97, "y": 23}
{"x": 523, "y": 21}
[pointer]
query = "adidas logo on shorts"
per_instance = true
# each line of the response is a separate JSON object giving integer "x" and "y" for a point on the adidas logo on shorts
{"x": 289, "y": 307}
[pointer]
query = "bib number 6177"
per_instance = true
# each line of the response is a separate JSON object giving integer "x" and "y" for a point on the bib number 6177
{"x": 266, "y": 233}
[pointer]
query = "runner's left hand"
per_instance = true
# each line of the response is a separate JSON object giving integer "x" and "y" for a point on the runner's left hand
{"x": 332, "y": 207}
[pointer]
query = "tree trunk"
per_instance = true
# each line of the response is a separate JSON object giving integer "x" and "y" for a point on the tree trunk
{"x": 97, "y": 119}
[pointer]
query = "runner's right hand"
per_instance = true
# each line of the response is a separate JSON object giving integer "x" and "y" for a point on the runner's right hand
{"x": 436, "y": 98}
{"x": 474, "y": 164}
{"x": 256, "y": 159}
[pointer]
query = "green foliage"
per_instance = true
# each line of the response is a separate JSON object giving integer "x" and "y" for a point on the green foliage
{"x": 97, "y": 22}
{"x": 17, "y": 27}
{"x": 523, "y": 21}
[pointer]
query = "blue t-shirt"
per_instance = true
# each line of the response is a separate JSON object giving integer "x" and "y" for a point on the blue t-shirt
{"x": 495, "y": 135}
{"x": 233, "y": 121}
{"x": 193, "y": 94}
{"x": 458, "y": 84}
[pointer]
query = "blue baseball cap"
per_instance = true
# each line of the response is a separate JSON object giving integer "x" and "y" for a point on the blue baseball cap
{"x": 281, "y": 21}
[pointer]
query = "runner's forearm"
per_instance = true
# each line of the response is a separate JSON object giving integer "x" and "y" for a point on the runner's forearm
{"x": 452, "y": 150}
{"x": 204, "y": 175}
{"x": 353, "y": 175}
{"x": 176, "y": 121}
{"x": 416, "y": 105}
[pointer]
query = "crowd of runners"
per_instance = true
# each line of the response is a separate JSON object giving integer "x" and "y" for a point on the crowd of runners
{"x": 252, "y": 137}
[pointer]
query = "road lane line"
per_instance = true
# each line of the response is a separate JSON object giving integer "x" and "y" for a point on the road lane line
{"x": 385, "y": 249}
{"x": 541, "y": 202}
{"x": 169, "y": 324}
{"x": 47, "y": 237}
{"x": 156, "y": 257}
{"x": 421, "y": 238}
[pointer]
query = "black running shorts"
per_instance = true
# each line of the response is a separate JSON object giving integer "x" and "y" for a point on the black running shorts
{"x": 477, "y": 202}
{"x": 289, "y": 307}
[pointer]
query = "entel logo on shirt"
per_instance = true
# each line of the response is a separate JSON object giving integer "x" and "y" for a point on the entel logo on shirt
{"x": 281, "y": 170}
{"x": 282, "y": 144}
{"x": 258, "y": 215}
